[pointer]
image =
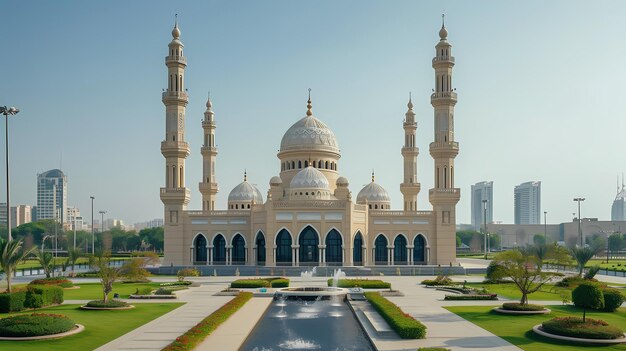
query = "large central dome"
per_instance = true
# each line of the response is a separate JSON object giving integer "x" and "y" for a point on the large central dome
{"x": 309, "y": 133}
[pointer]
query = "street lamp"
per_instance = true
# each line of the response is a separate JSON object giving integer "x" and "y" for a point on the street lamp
{"x": 485, "y": 224}
{"x": 6, "y": 111}
{"x": 102, "y": 223}
{"x": 545, "y": 226}
{"x": 93, "y": 236}
{"x": 580, "y": 232}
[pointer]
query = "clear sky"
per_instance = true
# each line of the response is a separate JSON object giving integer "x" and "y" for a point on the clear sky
{"x": 539, "y": 86}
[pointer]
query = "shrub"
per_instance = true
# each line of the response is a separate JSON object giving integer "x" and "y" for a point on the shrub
{"x": 108, "y": 304}
{"x": 577, "y": 328}
{"x": 250, "y": 283}
{"x": 195, "y": 335}
{"x": 163, "y": 291}
{"x": 280, "y": 283}
{"x": 35, "y": 325}
{"x": 177, "y": 283}
{"x": 493, "y": 272}
{"x": 12, "y": 302}
{"x": 515, "y": 306}
{"x": 592, "y": 272}
{"x": 466, "y": 297}
{"x": 33, "y": 301}
{"x": 613, "y": 299}
{"x": 360, "y": 283}
{"x": 439, "y": 281}
{"x": 143, "y": 291}
{"x": 187, "y": 272}
{"x": 133, "y": 270}
{"x": 403, "y": 324}
{"x": 588, "y": 295}
{"x": 62, "y": 282}
{"x": 50, "y": 294}
{"x": 574, "y": 281}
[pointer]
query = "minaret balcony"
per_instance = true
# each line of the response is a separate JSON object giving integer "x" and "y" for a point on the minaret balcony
{"x": 442, "y": 97}
{"x": 208, "y": 124}
{"x": 410, "y": 151}
{"x": 444, "y": 149}
{"x": 438, "y": 59}
{"x": 444, "y": 196}
{"x": 178, "y": 149}
{"x": 176, "y": 58}
{"x": 175, "y": 95}
{"x": 208, "y": 150}
{"x": 208, "y": 188}
{"x": 175, "y": 196}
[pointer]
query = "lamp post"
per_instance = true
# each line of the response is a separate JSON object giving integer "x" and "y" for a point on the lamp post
{"x": 6, "y": 111}
{"x": 102, "y": 223}
{"x": 93, "y": 236}
{"x": 485, "y": 224}
{"x": 545, "y": 226}
{"x": 580, "y": 232}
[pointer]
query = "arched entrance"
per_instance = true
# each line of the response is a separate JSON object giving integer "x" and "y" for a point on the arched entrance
{"x": 283, "y": 248}
{"x": 399, "y": 250}
{"x": 419, "y": 250}
{"x": 260, "y": 248}
{"x": 334, "y": 252}
{"x": 309, "y": 241}
{"x": 380, "y": 250}
{"x": 200, "y": 245}
{"x": 357, "y": 251}
{"x": 239, "y": 250}
{"x": 219, "y": 250}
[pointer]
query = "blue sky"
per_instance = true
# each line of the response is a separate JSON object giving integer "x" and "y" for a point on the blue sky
{"x": 538, "y": 83}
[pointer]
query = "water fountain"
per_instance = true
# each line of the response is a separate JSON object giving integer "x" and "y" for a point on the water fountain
{"x": 307, "y": 275}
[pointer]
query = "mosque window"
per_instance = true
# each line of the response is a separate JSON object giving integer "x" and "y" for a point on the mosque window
{"x": 307, "y": 193}
{"x": 319, "y": 164}
{"x": 306, "y": 164}
{"x": 375, "y": 207}
{"x": 237, "y": 206}
{"x": 326, "y": 165}
{"x": 300, "y": 193}
{"x": 248, "y": 206}
{"x": 299, "y": 164}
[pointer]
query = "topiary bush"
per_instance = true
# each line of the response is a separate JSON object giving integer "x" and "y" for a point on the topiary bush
{"x": 163, "y": 291}
{"x": 187, "y": 272}
{"x": 588, "y": 295}
{"x": 108, "y": 304}
{"x": 33, "y": 301}
{"x": 12, "y": 302}
{"x": 279, "y": 283}
{"x": 516, "y": 306}
{"x": 577, "y": 328}
{"x": 35, "y": 324}
{"x": 493, "y": 273}
{"x": 406, "y": 326}
{"x": 143, "y": 291}
{"x": 178, "y": 283}
{"x": 613, "y": 299}
{"x": 250, "y": 283}
{"x": 50, "y": 294}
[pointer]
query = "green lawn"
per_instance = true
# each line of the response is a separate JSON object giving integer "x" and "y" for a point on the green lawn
{"x": 93, "y": 291}
{"x": 100, "y": 326}
{"x": 510, "y": 291}
{"x": 517, "y": 329}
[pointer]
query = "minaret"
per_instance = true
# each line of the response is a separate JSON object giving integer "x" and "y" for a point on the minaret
{"x": 175, "y": 195}
{"x": 444, "y": 196}
{"x": 208, "y": 185}
{"x": 410, "y": 187}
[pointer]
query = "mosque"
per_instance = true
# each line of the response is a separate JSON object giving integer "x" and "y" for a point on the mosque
{"x": 309, "y": 216}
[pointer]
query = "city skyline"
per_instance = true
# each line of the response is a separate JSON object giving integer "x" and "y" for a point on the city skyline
{"x": 87, "y": 90}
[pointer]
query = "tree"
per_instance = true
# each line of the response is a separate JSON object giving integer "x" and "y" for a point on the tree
{"x": 495, "y": 241}
{"x": 153, "y": 237}
{"x": 73, "y": 254}
{"x": 539, "y": 239}
{"x": 11, "y": 254}
{"x": 108, "y": 275}
{"x": 582, "y": 255}
{"x": 46, "y": 260}
{"x": 588, "y": 295}
{"x": 616, "y": 242}
{"x": 134, "y": 270}
{"x": 521, "y": 266}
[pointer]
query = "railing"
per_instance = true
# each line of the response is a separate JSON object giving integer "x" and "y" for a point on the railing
{"x": 175, "y": 144}
{"x": 178, "y": 58}
{"x": 443, "y": 58}
{"x": 444, "y": 144}
{"x": 443, "y": 94}
{"x": 219, "y": 213}
{"x": 175, "y": 95}
{"x": 206, "y": 123}
{"x": 58, "y": 271}
{"x": 400, "y": 213}
{"x": 174, "y": 190}
{"x": 445, "y": 191}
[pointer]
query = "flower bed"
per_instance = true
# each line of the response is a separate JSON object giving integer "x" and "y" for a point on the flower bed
{"x": 478, "y": 297}
{"x": 183, "y": 283}
{"x": 516, "y": 306}
{"x": 62, "y": 282}
{"x": 195, "y": 335}
{"x": 406, "y": 326}
{"x": 35, "y": 324}
{"x": 576, "y": 328}
{"x": 108, "y": 304}
{"x": 360, "y": 283}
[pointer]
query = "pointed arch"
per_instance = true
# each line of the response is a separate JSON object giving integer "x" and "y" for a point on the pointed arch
{"x": 260, "y": 248}
{"x": 239, "y": 249}
{"x": 200, "y": 244}
{"x": 283, "y": 247}
{"x": 309, "y": 240}
{"x": 399, "y": 250}
{"x": 380, "y": 250}
{"x": 334, "y": 249}
{"x": 219, "y": 249}
{"x": 357, "y": 249}
{"x": 419, "y": 249}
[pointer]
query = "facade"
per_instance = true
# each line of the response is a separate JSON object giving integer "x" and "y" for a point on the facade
{"x": 74, "y": 219}
{"x": 309, "y": 215}
{"x": 618, "y": 209}
{"x": 20, "y": 214}
{"x": 52, "y": 195}
{"x": 527, "y": 198}
{"x": 482, "y": 191}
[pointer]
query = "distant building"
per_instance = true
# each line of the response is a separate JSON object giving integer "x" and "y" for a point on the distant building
{"x": 527, "y": 197}
{"x": 3, "y": 213}
{"x": 481, "y": 191}
{"x": 52, "y": 195}
{"x": 154, "y": 223}
{"x": 20, "y": 214}
{"x": 74, "y": 219}
{"x": 618, "y": 210}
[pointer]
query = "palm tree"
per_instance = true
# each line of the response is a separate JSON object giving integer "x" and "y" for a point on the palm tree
{"x": 11, "y": 254}
{"x": 46, "y": 260}
{"x": 73, "y": 254}
{"x": 582, "y": 255}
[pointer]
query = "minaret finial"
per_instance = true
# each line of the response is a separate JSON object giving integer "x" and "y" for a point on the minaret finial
{"x": 410, "y": 104}
{"x": 176, "y": 31}
{"x": 209, "y": 104}
{"x": 176, "y": 20}
{"x": 309, "y": 106}
{"x": 443, "y": 32}
{"x": 373, "y": 175}
{"x": 245, "y": 175}
{"x": 443, "y": 20}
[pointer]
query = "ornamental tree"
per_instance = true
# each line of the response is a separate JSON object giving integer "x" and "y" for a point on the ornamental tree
{"x": 11, "y": 254}
{"x": 588, "y": 295}
{"x": 108, "y": 275}
{"x": 582, "y": 255}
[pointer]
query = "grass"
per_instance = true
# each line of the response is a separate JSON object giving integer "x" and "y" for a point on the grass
{"x": 548, "y": 292}
{"x": 516, "y": 329}
{"x": 93, "y": 291}
{"x": 100, "y": 326}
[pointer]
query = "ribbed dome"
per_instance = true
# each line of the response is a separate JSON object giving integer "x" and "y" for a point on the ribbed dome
{"x": 311, "y": 178}
{"x": 245, "y": 192}
{"x": 275, "y": 180}
{"x": 309, "y": 133}
{"x": 373, "y": 192}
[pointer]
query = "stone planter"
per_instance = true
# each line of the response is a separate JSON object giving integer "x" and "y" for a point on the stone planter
{"x": 504, "y": 311}
{"x": 538, "y": 330}
{"x": 79, "y": 328}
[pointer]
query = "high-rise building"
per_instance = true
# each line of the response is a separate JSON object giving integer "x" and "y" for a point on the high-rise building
{"x": 527, "y": 197}
{"x": 618, "y": 210}
{"x": 74, "y": 219}
{"x": 20, "y": 214}
{"x": 52, "y": 195}
{"x": 481, "y": 191}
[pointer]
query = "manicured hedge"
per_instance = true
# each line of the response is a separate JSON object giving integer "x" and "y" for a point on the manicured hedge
{"x": 195, "y": 335}
{"x": 50, "y": 294}
{"x": 163, "y": 291}
{"x": 143, "y": 291}
{"x": 280, "y": 283}
{"x": 35, "y": 325}
{"x": 516, "y": 306}
{"x": 574, "y": 327}
{"x": 439, "y": 281}
{"x": 613, "y": 299}
{"x": 108, "y": 304}
{"x": 406, "y": 326}
{"x": 361, "y": 283}
{"x": 274, "y": 282}
{"x": 478, "y": 297}
{"x": 183, "y": 283}
{"x": 62, "y": 282}
{"x": 12, "y": 302}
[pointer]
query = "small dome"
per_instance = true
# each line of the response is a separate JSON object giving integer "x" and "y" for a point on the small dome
{"x": 342, "y": 181}
{"x": 245, "y": 192}
{"x": 373, "y": 193}
{"x": 275, "y": 180}
{"x": 176, "y": 31}
{"x": 309, "y": 177}
{"x": 443, "y": 33}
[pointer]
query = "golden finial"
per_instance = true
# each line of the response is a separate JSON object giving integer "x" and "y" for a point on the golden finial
{"x": 372, "y": 176}
{"x": 309, "y": 106}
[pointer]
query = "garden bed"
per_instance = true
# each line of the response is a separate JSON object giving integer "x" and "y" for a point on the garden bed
{"x": 471, "y": 297}
{"x": 540, "y": 331}
{"x": 516, "y": 308}
{"x": 109, "y": 305}
{"x": 406, "y": 326}
{"x": 25, "y": 326}
{"x": 152, "y": 297}
{"x": 77, "y": 329}
{"x": 360, "y": 283}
